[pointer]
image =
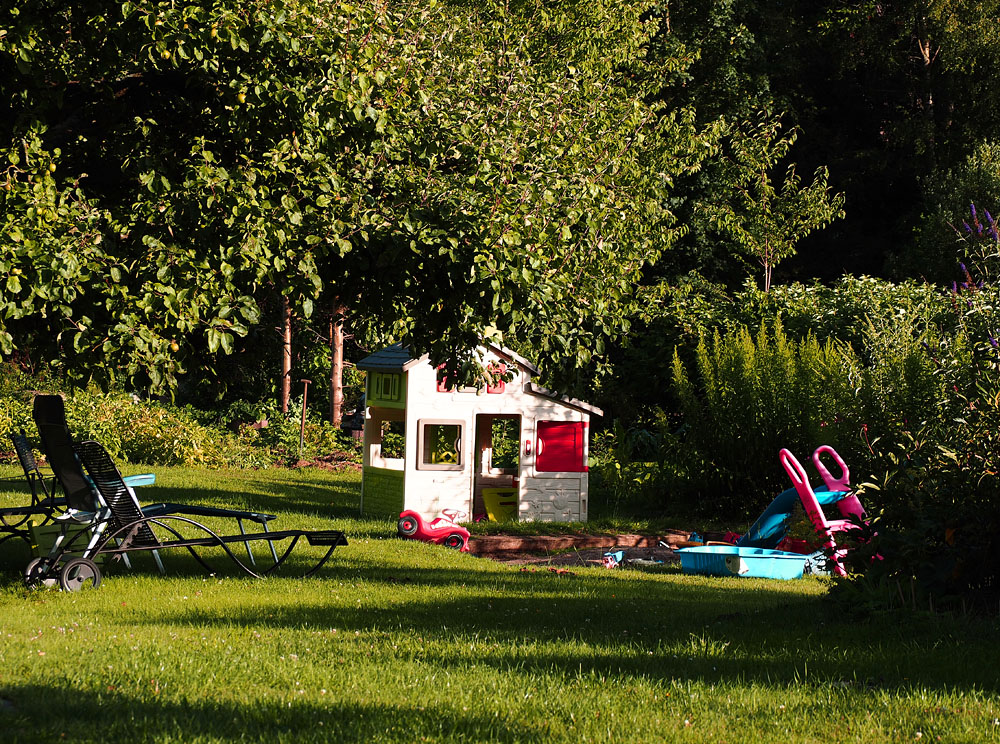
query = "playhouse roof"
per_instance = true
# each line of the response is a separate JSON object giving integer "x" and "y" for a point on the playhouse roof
{"x": 397, "y": 358}
{"x": 534, "y": 389}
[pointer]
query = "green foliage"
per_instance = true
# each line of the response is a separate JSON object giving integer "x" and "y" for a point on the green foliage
{"x": 150, "y": 433}
{"x": 626, "y": 466}
{"x": 938, "y": 488}
{"x": 276, "y": 435}
{"x": 856, "y": 310}
{"x": 751, "y": 395}
{"x": 742, "y": 392}
{"x": 393, "y": 439}
{"x": 506, "y": 443}
{"x": 441, "y": 169}
{"x": 153, "y": 433}
{"x": 947, "y": 200}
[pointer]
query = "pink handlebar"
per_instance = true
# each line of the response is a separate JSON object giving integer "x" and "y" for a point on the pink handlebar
{"x": 842, "y": 483}
{"x": 794, "y": 469}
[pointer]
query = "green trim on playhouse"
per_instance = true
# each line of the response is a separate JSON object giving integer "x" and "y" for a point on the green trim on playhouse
{"x": 386, "y": 389}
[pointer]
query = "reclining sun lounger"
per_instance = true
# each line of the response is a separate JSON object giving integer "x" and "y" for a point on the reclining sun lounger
{"x": 84, "y": 499}
{"x": 121, "y": 527}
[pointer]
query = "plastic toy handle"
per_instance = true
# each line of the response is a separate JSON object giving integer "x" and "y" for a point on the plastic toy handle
{"x": 843, "y": 483}
{"x": 794, "y": 469}
{"x": 454, "y": 515}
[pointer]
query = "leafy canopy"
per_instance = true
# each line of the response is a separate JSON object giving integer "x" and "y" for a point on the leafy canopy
{"x": 764, "y": 218}
{"x": 443, "y": 169}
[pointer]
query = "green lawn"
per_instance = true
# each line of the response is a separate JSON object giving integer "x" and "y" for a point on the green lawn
{"x": 401, "y": 641}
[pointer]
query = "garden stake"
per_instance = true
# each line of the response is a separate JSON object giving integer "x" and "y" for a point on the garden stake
{"x": 302, "y": 426}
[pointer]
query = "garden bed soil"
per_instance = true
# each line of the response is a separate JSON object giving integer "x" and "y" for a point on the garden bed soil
{"x": 576, "y": 550}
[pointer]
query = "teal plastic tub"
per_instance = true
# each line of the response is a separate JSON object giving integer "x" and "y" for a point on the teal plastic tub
{"x": 729, "y": 560}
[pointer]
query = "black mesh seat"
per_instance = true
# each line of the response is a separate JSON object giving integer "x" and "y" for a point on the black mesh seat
{"x": 123, "y": 527}
{"x": 50, "y": 417}
{"x": 49, "y": 413}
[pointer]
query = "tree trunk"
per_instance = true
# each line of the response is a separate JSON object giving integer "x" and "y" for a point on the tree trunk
{"x": 337, "y": 363}
{"x": 285, "y": 383}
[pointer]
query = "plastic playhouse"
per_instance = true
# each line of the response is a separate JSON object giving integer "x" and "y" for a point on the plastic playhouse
{"x": 510, "y": 451}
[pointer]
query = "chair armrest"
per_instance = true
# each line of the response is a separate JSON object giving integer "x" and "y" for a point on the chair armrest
{"x": 143, "y": 479}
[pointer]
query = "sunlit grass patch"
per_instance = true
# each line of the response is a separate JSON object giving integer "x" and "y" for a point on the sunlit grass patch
{"x": 402, "y": 641}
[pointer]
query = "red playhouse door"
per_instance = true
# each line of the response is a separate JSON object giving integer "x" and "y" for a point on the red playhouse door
{"x": 561, "y": 447}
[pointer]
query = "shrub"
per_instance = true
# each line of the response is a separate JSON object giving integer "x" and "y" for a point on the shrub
{"x": 153, "y": 433}
{"x": 856, "y": 310}
{"x": 938, "y": 489}
{"x": 143, "y": 431}
{"x": 948, "y": 196}
{"x": 751, "y": 395}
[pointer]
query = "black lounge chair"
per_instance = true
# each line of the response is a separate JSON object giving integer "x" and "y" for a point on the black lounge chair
{"x": 122, "y": 527}
{"x": 50, "y": 417}
{"x": 13, "y": 520}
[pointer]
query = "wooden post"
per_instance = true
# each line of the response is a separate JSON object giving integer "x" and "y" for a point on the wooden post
{"x": 337, "y": 363}
{"x": 302, "y": 426}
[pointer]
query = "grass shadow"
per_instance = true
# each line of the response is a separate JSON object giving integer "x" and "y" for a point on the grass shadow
{"x": 662, "y": 629}
{"x": 49, "y": 713}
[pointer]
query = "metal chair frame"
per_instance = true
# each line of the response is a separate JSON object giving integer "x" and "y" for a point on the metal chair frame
{"x": 85, "y": 502}
{"x": 121, "y": 527}
{"x": 44, "y": 504}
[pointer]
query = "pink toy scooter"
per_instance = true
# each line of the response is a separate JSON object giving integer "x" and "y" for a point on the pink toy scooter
{"x": 823, "y": 526}
{"x": 442, "y": 531}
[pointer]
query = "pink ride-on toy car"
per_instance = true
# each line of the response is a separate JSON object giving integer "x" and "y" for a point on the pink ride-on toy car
{"x": 443, "y": 530}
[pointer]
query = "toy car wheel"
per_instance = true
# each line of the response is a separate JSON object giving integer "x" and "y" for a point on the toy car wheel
{"x": 407, "y": 526}
{"x": 455, "y": 540}
{"x": 41, "y": 574}
{"x": 79, "y": 573}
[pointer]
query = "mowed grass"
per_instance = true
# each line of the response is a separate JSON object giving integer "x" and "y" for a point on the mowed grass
{"x": 398, "y": 641}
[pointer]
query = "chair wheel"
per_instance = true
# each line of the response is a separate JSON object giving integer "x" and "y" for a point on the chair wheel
{"x": 41, "y": 574}
{"x": 78, "y": 573}
{"x": 454, "y": 540}
{"x": 407, "y": 526}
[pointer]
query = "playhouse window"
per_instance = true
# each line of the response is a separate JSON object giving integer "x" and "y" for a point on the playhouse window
{"x": 385, "y": 386}
{"x": 505, "y": 443}
{"x": 440, "y": 445}
{"x": 386, "y": 440}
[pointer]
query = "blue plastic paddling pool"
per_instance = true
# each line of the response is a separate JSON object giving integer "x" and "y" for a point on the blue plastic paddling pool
{"x": 729, "y": 560}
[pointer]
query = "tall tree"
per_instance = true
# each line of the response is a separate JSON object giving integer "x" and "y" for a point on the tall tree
{"x": 764, "y": 219}
{"x": 445, "y": 169}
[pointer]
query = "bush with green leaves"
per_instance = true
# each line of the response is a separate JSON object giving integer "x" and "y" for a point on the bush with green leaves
{"x": 947, "y": 197}
{"x": 937, "y": 489}
{"x": 265, "y": 426}
{"x": 153, "y": 433}
{"x": 856, "y": 310}
{"x": 750, "y": 395}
